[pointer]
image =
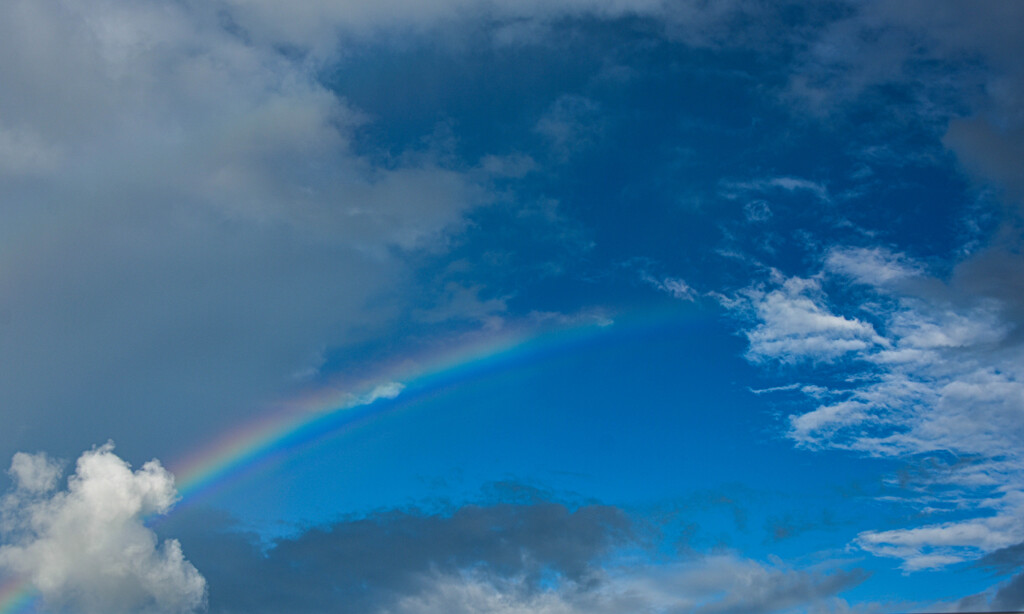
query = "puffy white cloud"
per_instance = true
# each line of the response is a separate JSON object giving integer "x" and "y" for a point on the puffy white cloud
{"x": 87, "y": 548}
{"x": 34, "y": 473}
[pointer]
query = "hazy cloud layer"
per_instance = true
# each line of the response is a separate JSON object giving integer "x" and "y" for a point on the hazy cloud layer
{"x": 86, "y": 548}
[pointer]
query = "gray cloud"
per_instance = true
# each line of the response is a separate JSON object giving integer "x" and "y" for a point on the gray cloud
{"x": 186, "y": 224}
{"x": 504, "y": 558}
{"x": 991, "y": 152}
{"x": 1006, "y": 559}
{"x": 368, "y": 563}
{"x": 957, "y": 64}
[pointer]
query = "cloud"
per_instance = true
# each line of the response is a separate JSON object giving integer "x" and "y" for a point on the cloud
{"x": 956, "y": 67}
{"x": 570, "y": 124}
{"x": 34, "y": 473}
{"x": 871, "y": 266}
{"x": 317, "y": 26}
{"x": 936, "y": 378}
{"x": 389, "y": 390}
{"x": 794, "y": 324}
{"x": 1007, "y": 595}
{"x": 720, "y": 584}
{"x": 735, "y": 189}
{"x": 673, "y": 286}
{"x": 528, "y": 557}
{"x": 196, "y": 196}
{"x": 369, "y": 563}
{"x": 87, "y": 549}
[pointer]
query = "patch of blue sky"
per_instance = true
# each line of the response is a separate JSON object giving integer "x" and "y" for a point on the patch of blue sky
{"x": 643, "y": 422}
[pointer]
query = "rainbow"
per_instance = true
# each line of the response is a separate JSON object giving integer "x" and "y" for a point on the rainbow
{"x": 334, "y": 408}
{"x": 17, "y": 597}
{"x": 337, "y": 407}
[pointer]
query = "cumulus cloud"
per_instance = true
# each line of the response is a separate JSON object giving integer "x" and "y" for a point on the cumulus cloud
{"x": 87, "y": 549}
{"x": 35, "y": 473}
{"x": 936, "y": 375}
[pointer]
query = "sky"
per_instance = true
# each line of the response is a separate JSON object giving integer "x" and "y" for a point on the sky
{"x": 494, "y": 306}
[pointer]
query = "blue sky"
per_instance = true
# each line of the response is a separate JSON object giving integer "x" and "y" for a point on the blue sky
{"x": 734, "y": 293}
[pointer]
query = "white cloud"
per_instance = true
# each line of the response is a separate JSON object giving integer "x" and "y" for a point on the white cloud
{"x": 673, "y": 286}
{"x": 794, "y": 324}
{"x": 872, "y": 266}
{"x": 947, "y": 543}
{"x": 36, "y": 473}
{"x": 87, "y": 548}
{"x": 389, "y": 390}
{"x": 938, "y": 373}
{"x": 714, "y": 584}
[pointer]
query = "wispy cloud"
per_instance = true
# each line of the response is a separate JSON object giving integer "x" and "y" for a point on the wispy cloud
{"x": 737, "y": 189}
{"x": 936, "y": 372}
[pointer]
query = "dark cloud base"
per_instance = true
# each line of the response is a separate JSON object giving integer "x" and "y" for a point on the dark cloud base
{"x": 361, "y": 565}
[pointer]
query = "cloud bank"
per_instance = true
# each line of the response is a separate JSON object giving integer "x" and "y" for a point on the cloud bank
{"x": 500, "y": 558}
